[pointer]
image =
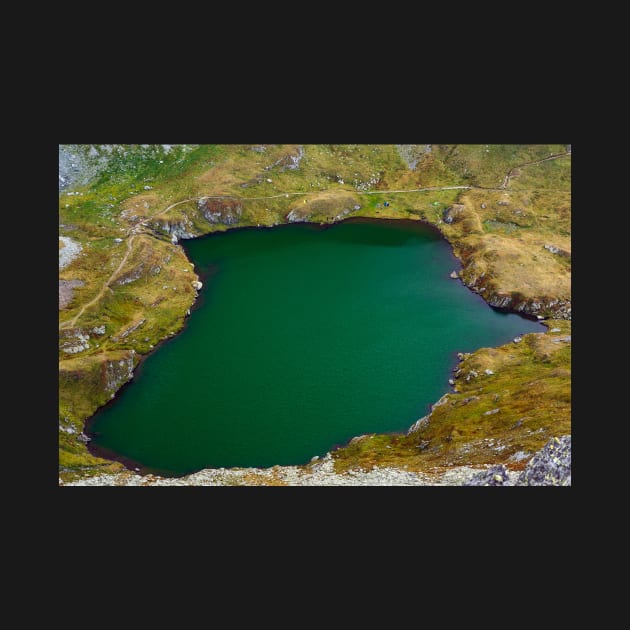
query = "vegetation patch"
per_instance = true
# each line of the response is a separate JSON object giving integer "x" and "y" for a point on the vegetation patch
{"x": 513, "y": 237}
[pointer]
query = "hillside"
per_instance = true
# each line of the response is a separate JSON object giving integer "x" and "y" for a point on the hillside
{"x": 125, "y": 283}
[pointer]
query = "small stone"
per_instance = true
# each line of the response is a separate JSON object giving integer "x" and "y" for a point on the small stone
{"x": 491, "y": 412}
{"x": 555, "y": 330}
{"x": 269, "y": 180}
{"x": 498, "y": 478}
{"x": 517, "y": 339}
{"x": 489, "y": 372}
{"x": 483, "y": 205}
{"x": 196, "y": 284}
{"x": 539, "y": 317}
{"x": 454, "y": 275}
{"x": 118, "y": 240}
{"x": 451, "y": 381}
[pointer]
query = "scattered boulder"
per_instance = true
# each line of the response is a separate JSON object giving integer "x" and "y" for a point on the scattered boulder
{"x": 471, "y": 374}
{"x": 196, "y": 284}
{"x": 551, "y": 466}
{"x": 453, "y": 213}
{"x": 557, "y": 250}
{"x": 66, "y": 291}
{"x": 225, "y": 211}
{"x": 495, "y": 476}
{"x": 454, "y": 275}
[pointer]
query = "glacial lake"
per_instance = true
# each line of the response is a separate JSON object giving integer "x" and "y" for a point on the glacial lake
{"x": 302, "y": 338}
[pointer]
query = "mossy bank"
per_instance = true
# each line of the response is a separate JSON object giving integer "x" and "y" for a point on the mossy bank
{"x": 126, "y": 284}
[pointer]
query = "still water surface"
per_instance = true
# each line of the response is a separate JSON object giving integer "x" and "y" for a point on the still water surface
{"x": 302, "y": 338}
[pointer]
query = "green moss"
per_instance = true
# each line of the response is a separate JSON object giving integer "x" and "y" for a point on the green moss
{"x": 530, "y": 386}
{"x": 494, "y": 239}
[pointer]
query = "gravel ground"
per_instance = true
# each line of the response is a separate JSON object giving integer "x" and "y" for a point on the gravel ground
{"x": 551, "y": 466}
{"x": 320, "y": 474}
{"x": 68, "y": 252}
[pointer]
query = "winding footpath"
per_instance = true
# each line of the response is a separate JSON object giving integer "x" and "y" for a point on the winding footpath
{"x": 134, "y": 231}
{"x": 509, "y": 174}
{"x": 70, "y": 323}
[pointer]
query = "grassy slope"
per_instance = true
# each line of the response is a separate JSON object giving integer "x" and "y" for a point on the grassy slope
{"x": 501, "y": 245}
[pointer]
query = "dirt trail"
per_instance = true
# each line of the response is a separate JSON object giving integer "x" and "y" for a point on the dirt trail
{"x": 134, "y": 232}
{"x": 508, "y": 176}
{"x": 70, "y": 323}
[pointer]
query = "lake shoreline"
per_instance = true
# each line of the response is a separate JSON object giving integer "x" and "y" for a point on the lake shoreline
{"x": 142, "y": 470}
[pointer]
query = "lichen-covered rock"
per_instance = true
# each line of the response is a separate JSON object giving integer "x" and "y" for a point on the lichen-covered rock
{"x": 225, "y": 211}
{"x": 116, "y": 373}
{"x": 177, "y": 230}
{"x": 70, "y": 250}
{"x": 453, "y": 213}
{"x": 297, "y": 215}
{"x": 413, "y": 153}
{"x": 73, "y": 341}
{"x": 551, "y": 466}
{"x": 66, "y": 291}
{"x": 495, "y": 476}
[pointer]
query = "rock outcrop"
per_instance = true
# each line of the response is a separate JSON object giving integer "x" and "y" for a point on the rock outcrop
{"x": 176, "y": 229}
{"x": 551, "y": 466}
{"x": 225, "y": 211}
{"x": 66, "y": 291}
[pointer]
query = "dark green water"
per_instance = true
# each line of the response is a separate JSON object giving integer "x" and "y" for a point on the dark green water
{"x": 303, "y": 338}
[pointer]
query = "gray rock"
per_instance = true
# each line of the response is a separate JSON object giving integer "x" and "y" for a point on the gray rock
{"x": 552, "y": 248}
{"x": 551, "y": 466}
{"x": 491, "y": 412}
{"x": 454, "y": 275}
{"x": 452, "y": 213}
{"x": 495, "y": 476}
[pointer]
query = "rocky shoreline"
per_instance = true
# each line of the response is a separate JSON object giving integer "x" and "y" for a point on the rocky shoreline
{"x": 551, "y": 466}
{"x": 75, "y": 168}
